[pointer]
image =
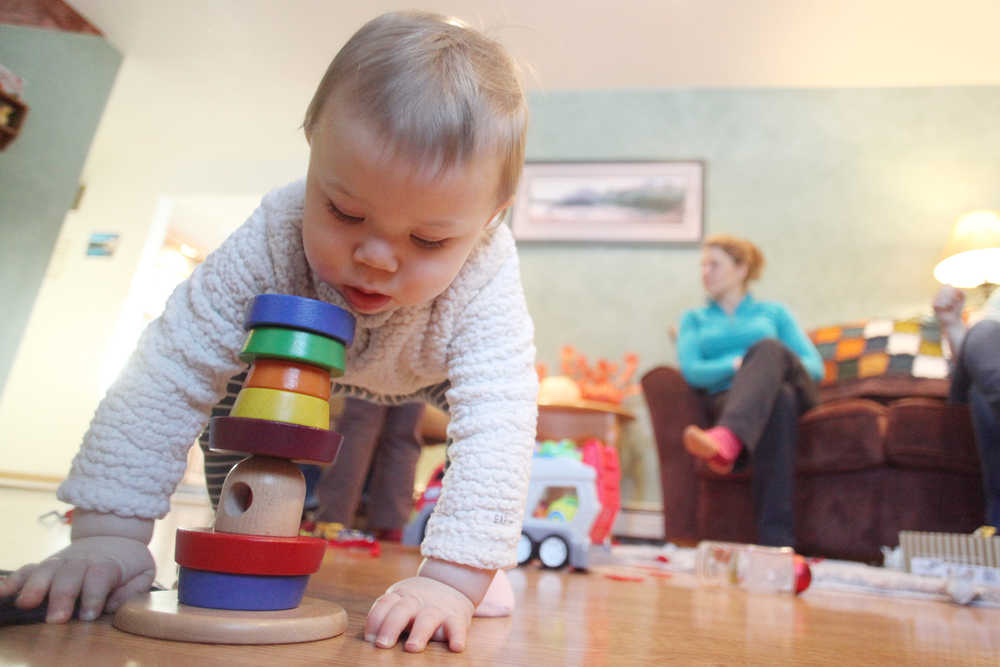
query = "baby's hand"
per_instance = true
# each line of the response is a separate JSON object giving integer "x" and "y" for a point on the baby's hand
{"x": 437, "y": 604}
{"x": 435, "y": 610}
{"x": 106, "y": 563}
{"x": 102, "y": 571}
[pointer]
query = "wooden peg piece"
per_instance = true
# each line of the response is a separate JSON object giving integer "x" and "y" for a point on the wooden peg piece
{"x": 262, "y": 496}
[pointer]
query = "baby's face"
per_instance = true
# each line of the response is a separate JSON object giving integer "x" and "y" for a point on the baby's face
{"x": 378, "y": 231}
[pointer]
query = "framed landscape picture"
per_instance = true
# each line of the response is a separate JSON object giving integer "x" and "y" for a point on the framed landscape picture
{"x": 610, "y": 201}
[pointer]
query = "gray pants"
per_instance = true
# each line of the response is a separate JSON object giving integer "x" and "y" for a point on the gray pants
{"x": 381, "y": 446}
{"x": 762, "y": 407}
{"x": 976, "y": 381}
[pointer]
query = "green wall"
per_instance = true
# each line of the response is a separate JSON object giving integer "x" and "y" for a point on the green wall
{"x": 851, "y": 194}
{"x": 67, "y": 81}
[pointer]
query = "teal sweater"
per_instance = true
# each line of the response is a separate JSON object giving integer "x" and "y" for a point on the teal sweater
{"x": 710, "y": 341}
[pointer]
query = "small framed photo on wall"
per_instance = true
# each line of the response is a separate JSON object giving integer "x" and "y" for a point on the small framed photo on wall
{"x": 629, "y": 202}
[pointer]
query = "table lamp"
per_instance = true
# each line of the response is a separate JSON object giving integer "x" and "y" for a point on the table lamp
{"x": 971, "y": 257}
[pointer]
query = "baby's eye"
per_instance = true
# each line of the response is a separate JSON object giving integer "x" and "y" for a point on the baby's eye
{"x": 340, "y": 215}
{"x": 426, "y": 243}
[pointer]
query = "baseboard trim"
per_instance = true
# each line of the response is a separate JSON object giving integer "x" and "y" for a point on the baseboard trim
{"x": 185, "y": 494}
{"x": 642, "y": 521}
{"x": 30, "y": 482}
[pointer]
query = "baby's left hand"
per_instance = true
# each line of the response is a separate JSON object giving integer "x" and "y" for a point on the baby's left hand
{"x": 435, "y": 610}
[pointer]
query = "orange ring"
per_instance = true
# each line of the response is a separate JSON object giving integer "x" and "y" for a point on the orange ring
{"x": 290, "y": 376}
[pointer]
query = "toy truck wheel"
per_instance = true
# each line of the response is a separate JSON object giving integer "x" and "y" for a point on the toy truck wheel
{"x": 525, "y": 549}
{"x": 553, "y": 552}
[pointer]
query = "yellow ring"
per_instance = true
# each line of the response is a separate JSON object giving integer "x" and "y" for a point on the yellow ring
{"x": 282, "y": 406}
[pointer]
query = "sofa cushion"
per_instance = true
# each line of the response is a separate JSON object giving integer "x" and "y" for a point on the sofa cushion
{"x": 932, "y": 435}
{"x": 842, "y": 436}
{"x": 838, "y": 515}
{"x": 884, "y": 388}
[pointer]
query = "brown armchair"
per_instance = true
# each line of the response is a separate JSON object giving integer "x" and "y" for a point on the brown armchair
{"x": 874, "y": 457}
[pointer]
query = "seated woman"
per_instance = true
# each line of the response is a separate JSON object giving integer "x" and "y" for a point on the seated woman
{"x": 755, "y": 369}
{"x": 975, "y": 379}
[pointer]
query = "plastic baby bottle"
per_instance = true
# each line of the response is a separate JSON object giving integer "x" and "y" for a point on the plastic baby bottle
{"x": 752, "y": 567}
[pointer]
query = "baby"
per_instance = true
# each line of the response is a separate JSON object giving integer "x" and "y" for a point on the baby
{"x": 416, "y": 136}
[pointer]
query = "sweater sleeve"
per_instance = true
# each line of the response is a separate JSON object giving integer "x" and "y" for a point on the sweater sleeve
{"x": 792, "y": 335}
{"x": 135, "y": 450}
{"x": 697, "y": 370}
{"x": 492, "y": 400}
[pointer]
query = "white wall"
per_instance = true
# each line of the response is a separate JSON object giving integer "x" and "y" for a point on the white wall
{"x": 146, "y": 148}
{"x": 210, "y": 97}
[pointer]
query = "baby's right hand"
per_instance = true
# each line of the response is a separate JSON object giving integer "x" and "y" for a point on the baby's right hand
{"x": 102, "y": 571}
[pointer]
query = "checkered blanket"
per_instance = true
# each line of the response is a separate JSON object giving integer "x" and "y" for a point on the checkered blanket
{"x": 882, "y": 347}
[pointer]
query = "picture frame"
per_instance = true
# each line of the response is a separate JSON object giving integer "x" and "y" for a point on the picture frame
{"x": 629, "y": 202}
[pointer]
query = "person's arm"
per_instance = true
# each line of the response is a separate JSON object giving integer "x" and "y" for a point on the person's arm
{"x": 948, "y": 304}
{"x": 699, "y": 371}
{"x": 135, "y": 450}
{"x": 792, "y": 335}
{"x": 476, "y": 523}
{"x": 992, "y": 306}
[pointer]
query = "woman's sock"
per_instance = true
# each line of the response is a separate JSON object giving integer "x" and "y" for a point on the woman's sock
{"x": 719, "y": 446}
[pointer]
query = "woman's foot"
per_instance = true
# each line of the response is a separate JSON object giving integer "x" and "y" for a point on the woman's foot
{"x": 499, "y": 598}
{"x": 718, "y": 447}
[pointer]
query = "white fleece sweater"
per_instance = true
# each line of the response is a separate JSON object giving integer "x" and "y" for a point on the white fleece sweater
{"x": 471, "y": 346}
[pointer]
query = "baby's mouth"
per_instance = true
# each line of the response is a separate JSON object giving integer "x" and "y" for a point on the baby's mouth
{"x": 365, "y": 301}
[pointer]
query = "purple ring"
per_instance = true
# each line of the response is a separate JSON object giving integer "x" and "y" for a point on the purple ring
{"x": 271, "y": 438}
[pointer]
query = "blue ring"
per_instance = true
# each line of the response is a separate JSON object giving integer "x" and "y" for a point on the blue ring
{"x": 298, "y": 312}
{"x": 243, "y": 592}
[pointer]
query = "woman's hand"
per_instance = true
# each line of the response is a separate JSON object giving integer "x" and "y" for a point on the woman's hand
{"x": 948, "y": 304}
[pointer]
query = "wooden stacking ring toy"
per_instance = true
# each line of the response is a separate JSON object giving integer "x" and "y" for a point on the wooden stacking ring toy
{"x": 295, "y": 312}
{"x": 282, "y": 406}
{"x": 202, "y": 549}
{"x": 246, "y": 592}
{"x": 243, "y": 581}
{"x": 269, "y": 438}
{"x": 160, "y": 615}
{"x": 289, "y": 376}
{"x": 304, "y": 346}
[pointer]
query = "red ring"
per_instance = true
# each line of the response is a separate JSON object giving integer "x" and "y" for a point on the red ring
{"x": 235, "y": 553}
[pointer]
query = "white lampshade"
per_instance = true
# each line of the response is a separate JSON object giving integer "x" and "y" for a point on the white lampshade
{"x": 972, "y": 255}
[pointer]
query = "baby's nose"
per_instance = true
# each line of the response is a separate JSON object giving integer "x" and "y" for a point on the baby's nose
{"x": 377, "y": 254}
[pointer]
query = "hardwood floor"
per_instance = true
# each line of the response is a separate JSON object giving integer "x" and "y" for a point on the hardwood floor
{"x": 579, "y": 619}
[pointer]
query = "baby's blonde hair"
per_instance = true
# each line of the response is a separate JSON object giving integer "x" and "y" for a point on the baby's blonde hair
{"x": 436, "y": 90}
{"x": 743, "y": 252}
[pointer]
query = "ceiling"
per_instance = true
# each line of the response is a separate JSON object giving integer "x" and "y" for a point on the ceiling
{"x": 583, "y": 44}
{"x": 208, "y": 103}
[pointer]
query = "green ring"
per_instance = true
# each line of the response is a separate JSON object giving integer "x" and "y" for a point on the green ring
{"x": 295, "y": 345}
